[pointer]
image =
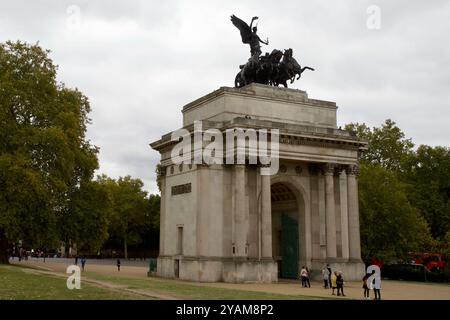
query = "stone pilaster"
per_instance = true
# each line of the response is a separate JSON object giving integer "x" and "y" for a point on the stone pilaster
{"x": 266, "y": 217}
{"x": 162, "y": 210}
{"x": 240, "y": 213}
{"x": 353, "y": 213}
{"x": 344, "y": 211}
{"x": 330, "y": 210}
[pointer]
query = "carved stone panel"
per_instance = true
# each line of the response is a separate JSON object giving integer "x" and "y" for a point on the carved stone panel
{"x": 181, "y": 188}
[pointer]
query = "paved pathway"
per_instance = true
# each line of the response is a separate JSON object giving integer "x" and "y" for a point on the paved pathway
{"x": 391, "y": 290}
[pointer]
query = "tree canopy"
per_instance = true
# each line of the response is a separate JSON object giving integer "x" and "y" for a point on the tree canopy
{"x": 44, "y": 154}
{"x": 403, "y": 193}
{"x": 130, "y": 209}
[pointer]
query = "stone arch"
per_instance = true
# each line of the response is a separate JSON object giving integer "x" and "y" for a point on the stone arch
{"x": 304, "y": 215}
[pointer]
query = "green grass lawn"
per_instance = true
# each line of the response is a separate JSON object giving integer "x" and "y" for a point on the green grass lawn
{"x": 18, "y": 283}
{"x": 189, "y": 291}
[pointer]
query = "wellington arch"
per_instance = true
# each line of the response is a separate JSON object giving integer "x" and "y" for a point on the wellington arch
{"x": 231, "y": 223}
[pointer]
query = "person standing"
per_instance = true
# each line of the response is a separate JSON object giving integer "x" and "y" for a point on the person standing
{"x": 333, "y": 282}
{"x": 118, "y": 264}
{"x": 377, "y": 288}
{"x": 340, "y": 284}
{"x": 366, "y": 287}
{"x": 325, "y": 275}
{"x": 307, "y": 278}
{"x": 375, "y": 284}
{"x": 303, "y": 275}
{"x": 83, "y": 262}
{"x": 330, "y": 273}
{"x": 76, "y": 260}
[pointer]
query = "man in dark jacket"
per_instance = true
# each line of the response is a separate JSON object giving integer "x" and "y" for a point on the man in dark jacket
{"x": 340, "y": 284}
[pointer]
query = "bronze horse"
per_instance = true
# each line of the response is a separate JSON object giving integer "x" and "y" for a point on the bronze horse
{"x": 288, "y": 68}
{"x": 269, "y": 70}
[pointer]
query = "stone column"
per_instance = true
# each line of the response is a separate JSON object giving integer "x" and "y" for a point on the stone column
{"x": 240, "y": 214}
{"x": 353, "y": 213}
{"x": 344, "y": 212}
{"x": 162, "y": 211}
{"x": 266, "y": 215}
{"x": 315, "y": 216}
{"x": 330, "y": 210}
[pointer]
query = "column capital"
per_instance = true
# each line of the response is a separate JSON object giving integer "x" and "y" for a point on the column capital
{"x": 329, "y": 168}
{"x": 352, "y": 169}
{"x": 264, "y": 169}
{"x": 341, "y": 168}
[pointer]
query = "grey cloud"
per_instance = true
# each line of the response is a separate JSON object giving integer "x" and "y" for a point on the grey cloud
{"x": 139, "y": 62}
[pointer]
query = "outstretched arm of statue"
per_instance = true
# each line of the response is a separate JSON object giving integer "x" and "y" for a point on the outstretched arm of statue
{"x": 251, "y": 23}
{"x": 265, "y": 42}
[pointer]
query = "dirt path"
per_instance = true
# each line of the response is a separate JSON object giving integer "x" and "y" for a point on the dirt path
{"x": 391, "y": 290}
{"x": 136, "y": 293}
{"x": 134, "y": 271}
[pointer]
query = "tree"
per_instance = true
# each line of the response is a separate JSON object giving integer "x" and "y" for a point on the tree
{"x": 387, "y": 145}
{"x": 392, "y": 222}
{"x": 390, "y": 226}
{"x": 154, "y": 206}
{"x": 446, "y": 243}
{"x": 89, "y": 215}
{"x": 44, "y": 155}
{"x": 129, "y": 210}
{"x": 429, "y": 187}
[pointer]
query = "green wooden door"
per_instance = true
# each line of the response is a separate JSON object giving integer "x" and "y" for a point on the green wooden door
{"x": 289, "y": 247}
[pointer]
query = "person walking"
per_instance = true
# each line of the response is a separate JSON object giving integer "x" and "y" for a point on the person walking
{"x": 83, "y": 262}
{"x": 303, "y": 275}
{"x": 325, "y": 276}
{"x": 333, "y": 282}
{"x": 366, "y": 287}
{"x": 340, "y": 284}
{"x": 118, "y": 264}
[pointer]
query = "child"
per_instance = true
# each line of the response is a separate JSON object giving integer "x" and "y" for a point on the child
{"x": 366, "y": 287}
{"x": 333, "y": 282}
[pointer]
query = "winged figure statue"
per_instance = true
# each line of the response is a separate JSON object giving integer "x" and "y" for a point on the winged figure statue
{"x": 274, "y": 69}
{"x": 248, "y": 35}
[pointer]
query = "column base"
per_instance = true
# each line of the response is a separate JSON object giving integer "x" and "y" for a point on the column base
{"x": 233, "y": 270}
{"x": 264, "y": 271}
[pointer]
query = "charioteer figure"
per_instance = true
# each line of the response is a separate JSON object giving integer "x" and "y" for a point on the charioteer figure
{"x": 249, "y": 35}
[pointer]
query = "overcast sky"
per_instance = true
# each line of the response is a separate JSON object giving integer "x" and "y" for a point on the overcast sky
{"x": 139, "y": 62}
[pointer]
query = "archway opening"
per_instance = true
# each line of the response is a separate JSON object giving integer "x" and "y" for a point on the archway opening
{"x": 285, "y": 222}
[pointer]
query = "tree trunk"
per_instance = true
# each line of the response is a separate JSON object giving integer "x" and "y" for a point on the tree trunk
{"x": 125, "y": 248}
{"x": 3, "y": 249}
